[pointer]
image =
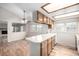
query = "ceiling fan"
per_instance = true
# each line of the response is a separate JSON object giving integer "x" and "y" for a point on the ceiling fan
{"x": 24, "y": 20}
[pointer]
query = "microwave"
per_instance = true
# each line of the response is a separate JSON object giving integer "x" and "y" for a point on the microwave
{"x": 4, "y": 32}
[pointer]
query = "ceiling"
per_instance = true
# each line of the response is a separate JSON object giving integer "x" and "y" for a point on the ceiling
{"x": 29, "y": 6}
{"x": 17, "y": 8}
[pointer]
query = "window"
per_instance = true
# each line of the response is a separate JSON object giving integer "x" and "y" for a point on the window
{"x": 60, "y": 27}
{"x": 66, "y": 27}
{"x": 22, "y": 28}
{"x": 71, "y": 27}
{"x": 18, "y": 27}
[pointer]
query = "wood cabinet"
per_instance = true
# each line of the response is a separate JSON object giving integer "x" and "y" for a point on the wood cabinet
{"x": 46, "y": 46}
{"x": 41, "y": 18}
{"x": 45, "y": 19}
{"x": 49, "y": 45}
{"x": 50, "y": 22}
{"x": 49, "y": 26}
{"x": 53, "y": 41}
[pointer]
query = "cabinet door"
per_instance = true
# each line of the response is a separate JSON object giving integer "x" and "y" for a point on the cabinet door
{"x": 50, "y": 26}
{"x": 39, "y": 17}
{"x": 50, "y": 21}
{"x": 45, "y": 19}
{"x": 49, "y": 46}
{"x": 53, "y": 42}
{"x": 44, "y": 48}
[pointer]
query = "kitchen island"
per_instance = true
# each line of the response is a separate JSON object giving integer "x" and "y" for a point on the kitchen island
{"x": 41, "y": 45}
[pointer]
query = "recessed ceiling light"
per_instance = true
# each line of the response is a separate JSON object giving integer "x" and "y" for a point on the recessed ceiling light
{"x": 57, "y": 5}
{"x": 66, "y": 15}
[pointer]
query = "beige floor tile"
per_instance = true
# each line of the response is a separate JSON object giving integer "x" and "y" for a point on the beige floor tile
{"x": 60, "y": 50}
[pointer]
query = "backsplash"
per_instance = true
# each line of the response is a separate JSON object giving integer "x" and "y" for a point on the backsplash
{"x": 33, "y": 29}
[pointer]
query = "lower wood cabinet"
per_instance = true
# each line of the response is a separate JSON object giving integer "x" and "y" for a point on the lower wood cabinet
{"x": 47, "y": 46}
{"x": 44, "y": 48}
{"x": 53, "y": 42}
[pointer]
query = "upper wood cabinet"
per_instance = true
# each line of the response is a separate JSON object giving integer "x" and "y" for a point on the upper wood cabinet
{"x": 45, "y": 19}
{"x": 40, "y": 17}
{"x": 48, "y": 20}
{"x": 51, "y": 22}
{"x": 49, "y": 26}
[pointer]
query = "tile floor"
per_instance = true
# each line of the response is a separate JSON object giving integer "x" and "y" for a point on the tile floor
{"x": 15, "y": 48}
{"x": 60, "y": 50}
{"x": 18, "y": 48}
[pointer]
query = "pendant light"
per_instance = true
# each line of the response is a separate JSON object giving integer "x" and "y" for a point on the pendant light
{"x": 24, "y": 19}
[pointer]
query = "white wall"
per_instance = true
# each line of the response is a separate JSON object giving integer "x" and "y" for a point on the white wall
{"x": 11, "y": 17}
{"x": 78, "y": 26}
{"x": 13, "y": 36}
{"x": 66, "y": 38}
{"x": 12, "y": 8}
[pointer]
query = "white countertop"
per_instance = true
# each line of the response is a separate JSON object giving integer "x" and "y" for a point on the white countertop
{"x": 40, "y": 38}
{"x": 3, "y": 35}
{"x": 77, "y": 35}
